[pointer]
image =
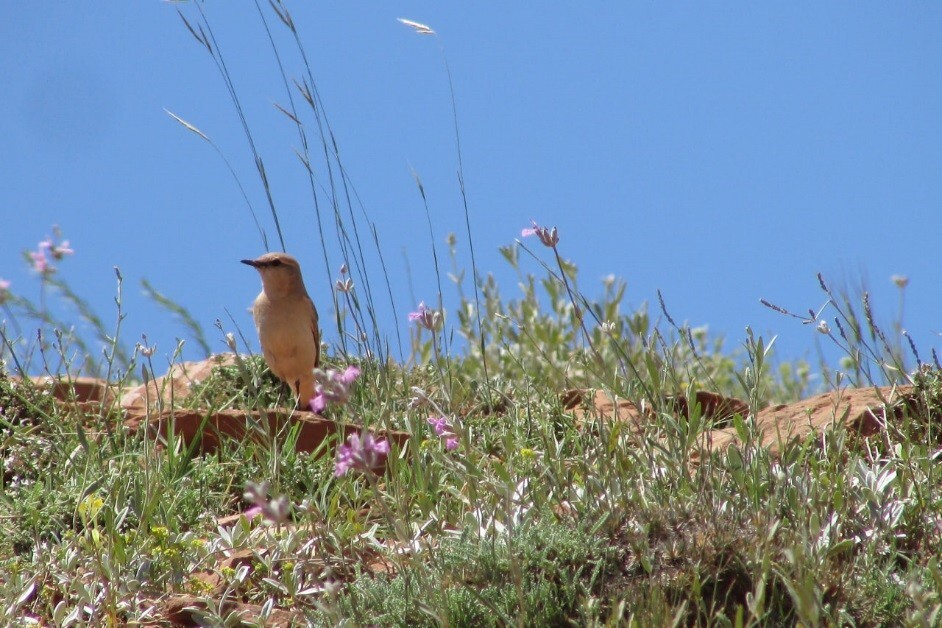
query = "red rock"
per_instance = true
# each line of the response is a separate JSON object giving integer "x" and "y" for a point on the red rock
{"x": 605, "y": 405}
{"x": 172, "y": 388}
{"x": 863, "y": 411}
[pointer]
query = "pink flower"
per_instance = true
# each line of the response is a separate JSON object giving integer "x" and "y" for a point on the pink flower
{"x": 332, "y": 387}
{"x": 350, "y": 374}
{"x": 440, "y": 424}
{"x": 274, "y": 510}
{"x": 318, "y": 403}
{"x": 445, "y": 431}
{"x": 345, "y": 284}
{"x": 49, "y": 247}
{"x": 40, "y": 263}
{"x": 252, "y": 512}
{"x": 361, "y": 454}
{"x": 429, "y": 319}
{"x": 549, "y": 237}
{"x": 58, "y": 251}
{"x": 4, "y": 290}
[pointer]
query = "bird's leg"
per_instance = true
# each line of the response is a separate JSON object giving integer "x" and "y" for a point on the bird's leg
{"x": 301, "y": 403}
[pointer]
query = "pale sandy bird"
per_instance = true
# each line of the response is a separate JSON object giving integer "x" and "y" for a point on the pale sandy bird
{"x": 286, "y": 320}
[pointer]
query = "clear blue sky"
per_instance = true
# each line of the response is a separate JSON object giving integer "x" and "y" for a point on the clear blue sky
{"x": 719, "y": 152}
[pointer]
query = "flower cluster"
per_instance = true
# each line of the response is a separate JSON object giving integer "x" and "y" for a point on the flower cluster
{"x": 362, "y": 453}
{"x": 273, "y": 510}
{"x": 549, "y": 237}
{"x": 332, "y": 387}
{"x": 445, "y": 431}
{"x": 50, "y": 248}
{"x": 425, "y": 317}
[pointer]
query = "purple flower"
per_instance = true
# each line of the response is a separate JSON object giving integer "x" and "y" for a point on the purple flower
{"x": 318, "y": 403}
{"x": 440, "y": 424}
{"x": 349, "y": 375}
{"x": 361, "y": 454}
{"x": 274, "y": 510}
{"x": 425, "y": 317}
{"x": 445, "y": 431}
{"x": 549, "y": 237}
{"x": 332, "y": 387}
{"x": 252, "y": 512}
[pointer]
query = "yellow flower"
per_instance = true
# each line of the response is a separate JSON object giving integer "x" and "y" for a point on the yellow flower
{"x": 89, "y": 508}
{"x": 161, "y": 533}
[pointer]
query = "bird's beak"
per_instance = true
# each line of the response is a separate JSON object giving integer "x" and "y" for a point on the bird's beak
{"x": 250, "y": 262}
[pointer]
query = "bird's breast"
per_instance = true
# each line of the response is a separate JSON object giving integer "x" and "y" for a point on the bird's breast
{"x": 285, "y": 328}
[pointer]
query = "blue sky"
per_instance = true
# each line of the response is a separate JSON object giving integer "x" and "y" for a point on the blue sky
{"x": 719, "y": 152}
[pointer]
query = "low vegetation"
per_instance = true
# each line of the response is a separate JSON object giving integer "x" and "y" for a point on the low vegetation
{"x": 470, "y": 489}
{"x": 503, "y": 506}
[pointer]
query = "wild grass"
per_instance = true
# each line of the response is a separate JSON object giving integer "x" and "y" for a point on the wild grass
{"x": 533, "y": 516}
{"x": 506, "y": 508}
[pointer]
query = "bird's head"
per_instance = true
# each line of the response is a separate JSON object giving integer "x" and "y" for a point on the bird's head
{"x": 281, "y": 273}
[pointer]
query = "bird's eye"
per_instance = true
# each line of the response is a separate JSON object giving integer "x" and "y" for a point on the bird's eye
{"x": 276, "y": 262}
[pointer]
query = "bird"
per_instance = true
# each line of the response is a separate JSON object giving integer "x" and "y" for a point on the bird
{"x": 286, "y": 320}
